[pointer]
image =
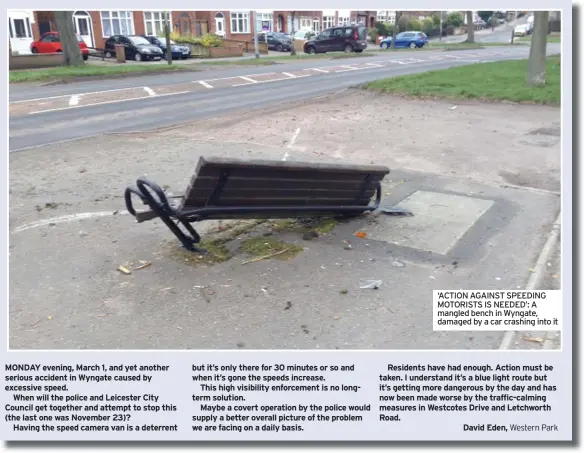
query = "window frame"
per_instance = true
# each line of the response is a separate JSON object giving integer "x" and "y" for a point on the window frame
{"x": 244, "y": 16}
{"x": 128, "y": 17}
{"x": 154, "y": 21}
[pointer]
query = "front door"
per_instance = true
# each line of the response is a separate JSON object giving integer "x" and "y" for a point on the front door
{"x": 220, "y": 26}
{"x": 83, "y": 29}
{"x": 20, "y": 34}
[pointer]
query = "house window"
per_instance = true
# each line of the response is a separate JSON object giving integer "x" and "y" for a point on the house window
{"x": 344, "y": 21}
{"x": 117, "y": 23}
{"x": 22, "y": 28}
{"x": 239, "y": 22}
{"x": 154, "y": 22}
{"x": 306, "y": 23}
{"x": 262, "y": 18}
{"x": 328, "y": 21}
{"x": 316, "y": 25}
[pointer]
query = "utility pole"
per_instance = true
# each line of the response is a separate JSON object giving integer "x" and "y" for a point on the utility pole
{"x": 441, "y": 16}
{"x": 167, "y": 36}
{"x": 255, "y": 37}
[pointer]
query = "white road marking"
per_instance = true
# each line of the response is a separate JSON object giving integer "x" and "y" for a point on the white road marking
{"x": 205, "y": 84}
{"x": 319, "y": 70}
{"x": 375, "y": 65}
{"x": 150, "y": 91}
{"x": 66, "y": 219}
{"x": 292, "y": 76}
{"x": 396, "y": 61}
{"x": 294, "y": 137}
{"x": 248, "y": 79}
{"x": 69, "y": 95}
{"x": 349, "y": 68}
{"x": 104, "y": 102}
{"x": 74, "y": 100}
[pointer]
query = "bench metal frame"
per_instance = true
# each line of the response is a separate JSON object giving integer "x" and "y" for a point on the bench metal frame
{"x": 173, "y": 218}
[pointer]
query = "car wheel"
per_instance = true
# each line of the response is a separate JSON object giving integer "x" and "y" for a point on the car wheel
{"x": 348, "y": 48}
{"x": 85, "y": 57}
{"x": 279, "y": 48}
{"x": 34, "y": 50}
{"x": 138, "y": 56}
{"x": 108, "y": 54}
{"x": 311, "y": 50}
{"x": 384, "y": 45}
{"x": 413, "y": 45}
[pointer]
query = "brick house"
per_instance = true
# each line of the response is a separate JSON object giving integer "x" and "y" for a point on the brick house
{"x": 96, "y": 26}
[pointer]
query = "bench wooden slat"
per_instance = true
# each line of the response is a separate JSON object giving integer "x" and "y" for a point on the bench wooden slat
{"x": 301, "y": 201}
{"x": 221, "y": 163}
{"x": 239, "y": 196}
{"x": 209, "y": 182}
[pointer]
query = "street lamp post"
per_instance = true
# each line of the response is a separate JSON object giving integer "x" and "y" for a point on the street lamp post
{"x": 255, "y": 38}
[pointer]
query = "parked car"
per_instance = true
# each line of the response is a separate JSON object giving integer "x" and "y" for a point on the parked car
{"x": 303, "y": 35}
{"x": 411, "y": 39}
{"x": 178, "y": 51}
{"x": 350, "y": 38}
{"x": 136, "y": 47}
{"x": 50, "y": 42}
{"x": 276, "y": 41}
{"x": 521, "y": 30}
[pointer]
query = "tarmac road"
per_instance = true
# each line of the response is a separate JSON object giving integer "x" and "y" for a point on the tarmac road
{"x": 51, "y": 114}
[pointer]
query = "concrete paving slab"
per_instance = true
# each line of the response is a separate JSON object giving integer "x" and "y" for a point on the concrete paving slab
{"x": 439, "y": 221}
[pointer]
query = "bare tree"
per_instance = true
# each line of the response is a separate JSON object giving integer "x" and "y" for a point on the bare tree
{"x": 69, "y": 43}
{"x": 537, "y": 49}
{"x": 469, "y": 27}
{"x": 398, "y": 15}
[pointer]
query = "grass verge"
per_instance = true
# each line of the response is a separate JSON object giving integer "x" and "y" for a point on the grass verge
{"x": 551, "y": 39}
{"x": 89, "y": 70}
{"x": 499, "y": 81}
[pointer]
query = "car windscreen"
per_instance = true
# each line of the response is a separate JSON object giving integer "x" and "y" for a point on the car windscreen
{"x": 139, "y": 41}
{"x": 163, "y": 41}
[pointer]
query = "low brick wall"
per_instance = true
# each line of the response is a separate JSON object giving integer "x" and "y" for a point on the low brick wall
{"x": 224, "y": 51}
{"x": 36, "y": 61}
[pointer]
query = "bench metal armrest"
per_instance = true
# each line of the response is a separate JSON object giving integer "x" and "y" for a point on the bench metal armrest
{"x": 144, "y": 190}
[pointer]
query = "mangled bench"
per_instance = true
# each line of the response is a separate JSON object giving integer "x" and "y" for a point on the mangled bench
{"x": 224, "y": 189}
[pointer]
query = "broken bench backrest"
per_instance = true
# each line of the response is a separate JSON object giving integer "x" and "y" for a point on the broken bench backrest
{"x": 222, "y": 182}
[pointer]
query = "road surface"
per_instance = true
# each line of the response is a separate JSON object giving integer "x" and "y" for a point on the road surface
{"x": 501, "y": 34}
{"x": 42, "y": 115}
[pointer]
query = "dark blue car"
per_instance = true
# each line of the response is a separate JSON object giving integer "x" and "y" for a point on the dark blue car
{"x": 178, "y": 51}
{"x": 411, "y": 39}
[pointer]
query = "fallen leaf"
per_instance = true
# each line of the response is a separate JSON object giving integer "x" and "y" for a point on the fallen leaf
{"x": 533, "y": 339}
{"x": 361, "y": 234}
{"x": 124, "y": 270}
{"x": 49, "y": 317}
{"x": 532, "y": 271}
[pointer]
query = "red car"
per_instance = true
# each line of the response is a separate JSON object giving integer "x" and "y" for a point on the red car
{"x": 51, "y": 43}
